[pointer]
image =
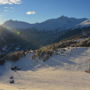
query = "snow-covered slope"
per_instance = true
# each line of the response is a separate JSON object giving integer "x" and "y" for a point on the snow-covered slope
{"x": 46, "y": 79}
{"x": 67, "y": 58}
{"x": 85, "y": 23}
{"x": 63, "y": 71}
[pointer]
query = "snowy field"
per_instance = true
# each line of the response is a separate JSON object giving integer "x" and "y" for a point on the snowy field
{"x": 60, "y": 72}
{"x": 47, "y": 79}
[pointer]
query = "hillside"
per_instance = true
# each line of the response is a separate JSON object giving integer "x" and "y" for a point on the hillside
{"x": 31, "y": 59}
{"x": 38, "y": 69}
{"x": 34, "y": 74}
{"x": 34, "y": 39}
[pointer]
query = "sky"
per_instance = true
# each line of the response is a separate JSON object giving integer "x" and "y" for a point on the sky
{"x": 34, "y": 11}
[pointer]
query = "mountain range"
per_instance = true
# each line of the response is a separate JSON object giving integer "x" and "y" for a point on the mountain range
{"x": 61, "y": 23}
{"x": 22, "y": 35}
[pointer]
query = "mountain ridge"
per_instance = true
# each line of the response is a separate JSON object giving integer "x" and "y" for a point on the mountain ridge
{"x": 61, "y": 23}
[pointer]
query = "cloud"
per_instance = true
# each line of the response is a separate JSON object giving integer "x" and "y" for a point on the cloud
{"x": 31, "y": 12}
{"x": 10, "y": 1}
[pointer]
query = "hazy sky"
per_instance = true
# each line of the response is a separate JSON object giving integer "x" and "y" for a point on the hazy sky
{"x": 39, "y": 10}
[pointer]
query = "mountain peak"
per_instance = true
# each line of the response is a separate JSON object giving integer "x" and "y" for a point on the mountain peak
{"x": 63, "y": 17}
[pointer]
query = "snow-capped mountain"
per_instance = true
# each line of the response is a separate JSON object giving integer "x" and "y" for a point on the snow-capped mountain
{"x": 61, "y": 23}
{"x": 85, "y": 23}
